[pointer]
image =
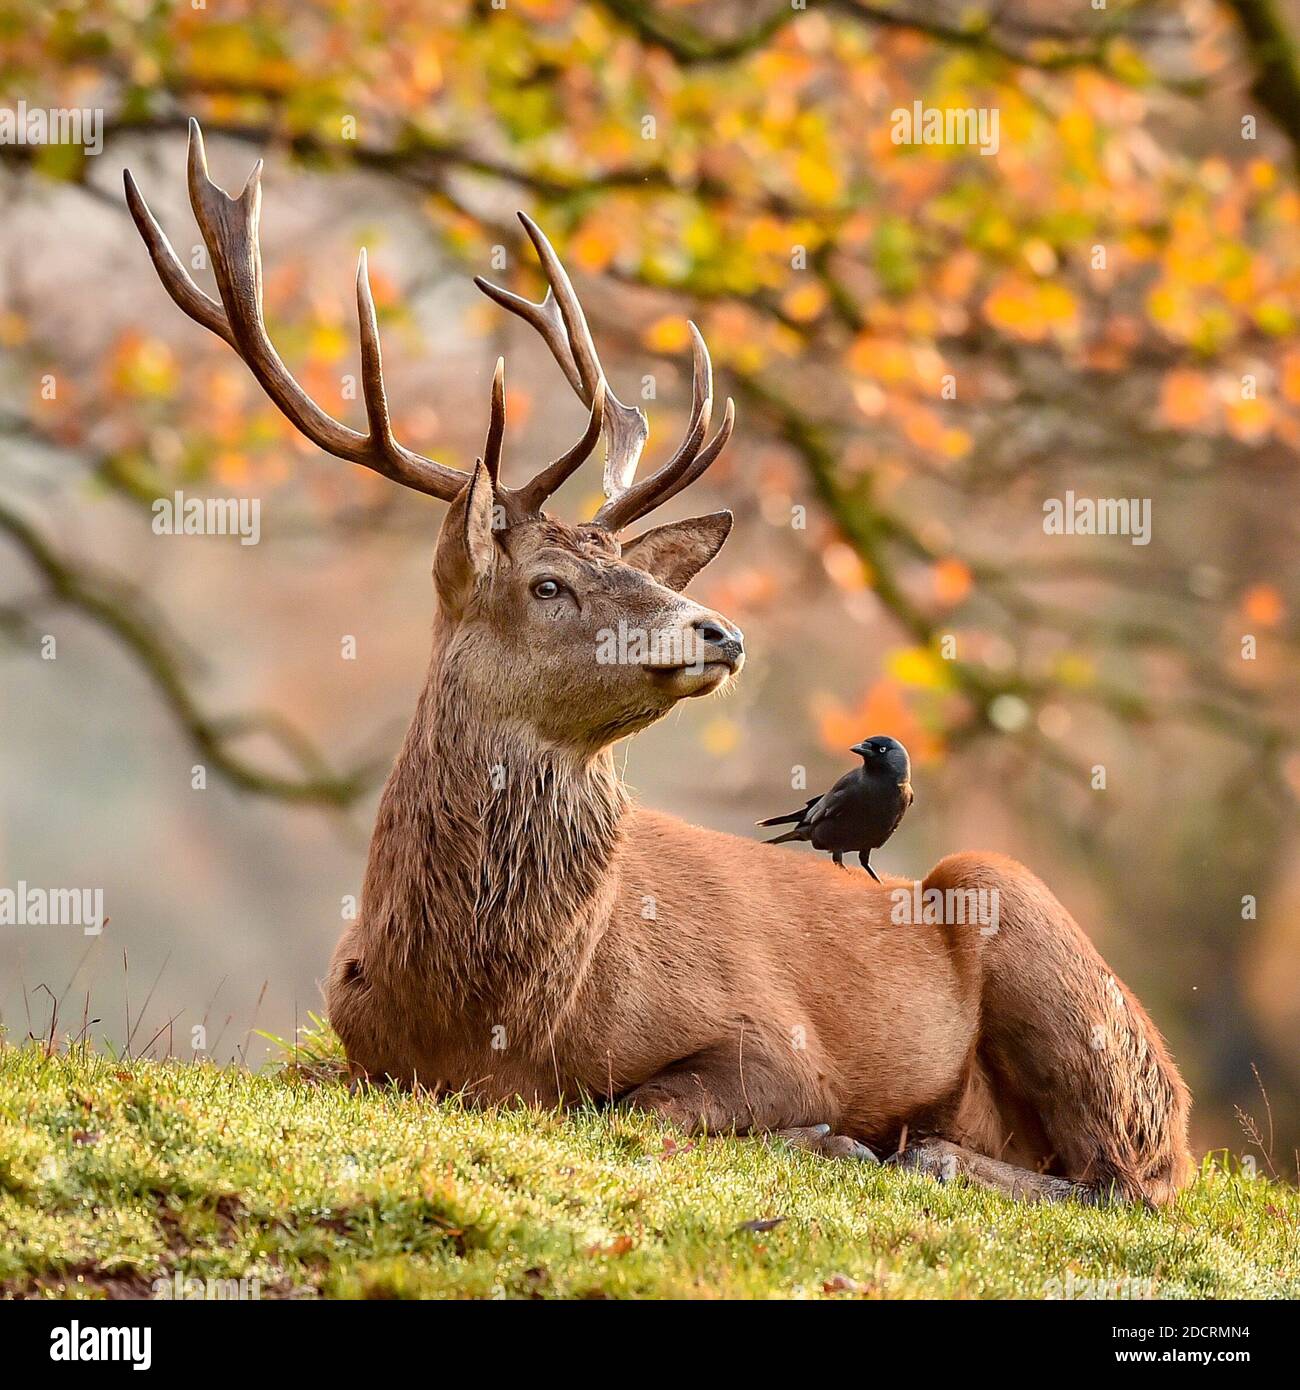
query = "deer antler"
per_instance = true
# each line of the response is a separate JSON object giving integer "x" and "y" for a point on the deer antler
{"x": 230, "y": 231}
{"x": 560, "y": 320}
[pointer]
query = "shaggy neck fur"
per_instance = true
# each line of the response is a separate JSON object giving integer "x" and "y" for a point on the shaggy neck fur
{"x": 491, "y": 874}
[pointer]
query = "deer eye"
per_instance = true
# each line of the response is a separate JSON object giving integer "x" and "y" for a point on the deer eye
{"x": 546, "y": 588}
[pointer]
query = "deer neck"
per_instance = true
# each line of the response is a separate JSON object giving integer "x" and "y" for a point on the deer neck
{"x": 492, "y": 869}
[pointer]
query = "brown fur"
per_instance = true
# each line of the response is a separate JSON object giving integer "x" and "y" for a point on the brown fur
{"x": 526, "y": 931}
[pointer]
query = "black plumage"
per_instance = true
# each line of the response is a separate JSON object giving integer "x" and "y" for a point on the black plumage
{"x": 862, "y": 810}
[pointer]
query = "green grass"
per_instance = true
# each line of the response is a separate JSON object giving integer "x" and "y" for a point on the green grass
{"x": 116, "y": 1173}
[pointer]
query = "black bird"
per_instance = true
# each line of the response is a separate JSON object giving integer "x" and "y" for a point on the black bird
{"x": 862, "y": 810}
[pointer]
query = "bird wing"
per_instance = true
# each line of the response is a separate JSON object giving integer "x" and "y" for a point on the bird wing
{"x": 905, "y": 799}
{"x": 792, "y": 817}
{"x": 839, "y": 796}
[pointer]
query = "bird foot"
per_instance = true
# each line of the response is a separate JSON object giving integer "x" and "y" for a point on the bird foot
{"x": 819, "y": 1139}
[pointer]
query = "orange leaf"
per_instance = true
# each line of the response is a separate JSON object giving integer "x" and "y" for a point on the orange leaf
{"x": 883, "y": 710}
{"x": 1249, "y": 420}
{"x": 619, "y": 1246}
{"x": 1185, "y": 399}
{"x": 952, "y": 581}
{"x": 668, "y": 334}
{"x": 1262, "y": 605}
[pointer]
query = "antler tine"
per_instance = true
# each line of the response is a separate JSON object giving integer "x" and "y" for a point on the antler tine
{"x": 560, "y": 321}
{"x": 496, "y": 423}
{"x": 684, "y": 466}
{"x": 695, "y": 468}
{"x": 230, "y": 232}
{"x": 562, "y": 325}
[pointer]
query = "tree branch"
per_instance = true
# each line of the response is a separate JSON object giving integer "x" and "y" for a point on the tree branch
{"x": 122, "y": 611}
{"x": 1272, "y": 55}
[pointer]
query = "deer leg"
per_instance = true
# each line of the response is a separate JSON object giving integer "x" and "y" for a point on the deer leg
{"x": 818, "y": 1139}
{"x": 944, "y": 1161}
{"x": 1062, "y": 1034}
{"x": 742, "y": 1087}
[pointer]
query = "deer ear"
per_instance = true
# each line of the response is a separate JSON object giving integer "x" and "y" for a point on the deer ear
{"x": 467, "y": 548}
{"x": 674, "y": 554}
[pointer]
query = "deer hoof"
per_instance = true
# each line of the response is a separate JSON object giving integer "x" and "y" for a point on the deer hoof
{"x": 819, "y": 1139}
{"x": 936, "y": 1158}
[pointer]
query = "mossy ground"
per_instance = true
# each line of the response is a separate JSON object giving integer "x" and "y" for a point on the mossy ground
{"x": 116, "y": 1173}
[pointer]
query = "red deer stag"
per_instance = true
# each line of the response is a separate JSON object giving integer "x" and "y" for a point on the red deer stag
{"x": 526, "y": 931}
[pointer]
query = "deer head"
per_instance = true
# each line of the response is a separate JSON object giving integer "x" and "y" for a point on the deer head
{"x": 580, "y": 634}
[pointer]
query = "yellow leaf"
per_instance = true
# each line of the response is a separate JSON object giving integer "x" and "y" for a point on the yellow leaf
{"x": 143, "y": 366}
{"x": 805, "y": 303}
{"x": 329, "y": 342}
{"x": 1249, "y": 420}
{"x": 1030, "y": 309}
{"x": 919, "y": 667}
{"x": 1074, "y": 671}
{"x": 668, "y": 334}
{"x": 816, "y": 178}
{"x": 720, "y": 736}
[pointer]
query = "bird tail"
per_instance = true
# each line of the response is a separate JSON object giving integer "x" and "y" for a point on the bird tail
{"x": 796, "y": 834}
{"x": 789, "y": 819}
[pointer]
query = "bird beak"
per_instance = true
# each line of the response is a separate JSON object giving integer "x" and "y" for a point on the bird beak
{"x": 860, "y": 748}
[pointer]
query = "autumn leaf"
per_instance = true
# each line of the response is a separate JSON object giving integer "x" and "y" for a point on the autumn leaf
{"x": 1033, "y": 310}
{"x": 882, "y": 710}
{"x": 1186, "y": 399}
{"x": 1262, "y": 605}
{"x": 593, "y": 248}
{"x": 805, "y": 303}
{"x": 952, "y": 581}
{"x": 618, "y": 1246}
{"x": 845, "y": 566}
{"x": 919, "y": 668}
{"x": 1249, "y": 419}
{"x": 668, "y": 334}
{"x": 142, "y": 366}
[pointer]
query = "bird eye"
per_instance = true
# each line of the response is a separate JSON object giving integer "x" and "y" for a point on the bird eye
{"x": 546, "y": 588}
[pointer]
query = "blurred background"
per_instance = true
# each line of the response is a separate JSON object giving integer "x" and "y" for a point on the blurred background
{"x": 925, "y": 342}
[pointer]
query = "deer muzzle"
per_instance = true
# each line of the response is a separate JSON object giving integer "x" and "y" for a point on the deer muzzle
{"x": 710, "y": 651}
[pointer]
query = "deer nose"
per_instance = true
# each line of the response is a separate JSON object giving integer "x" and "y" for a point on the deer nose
{"x": 729, "y": 641}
